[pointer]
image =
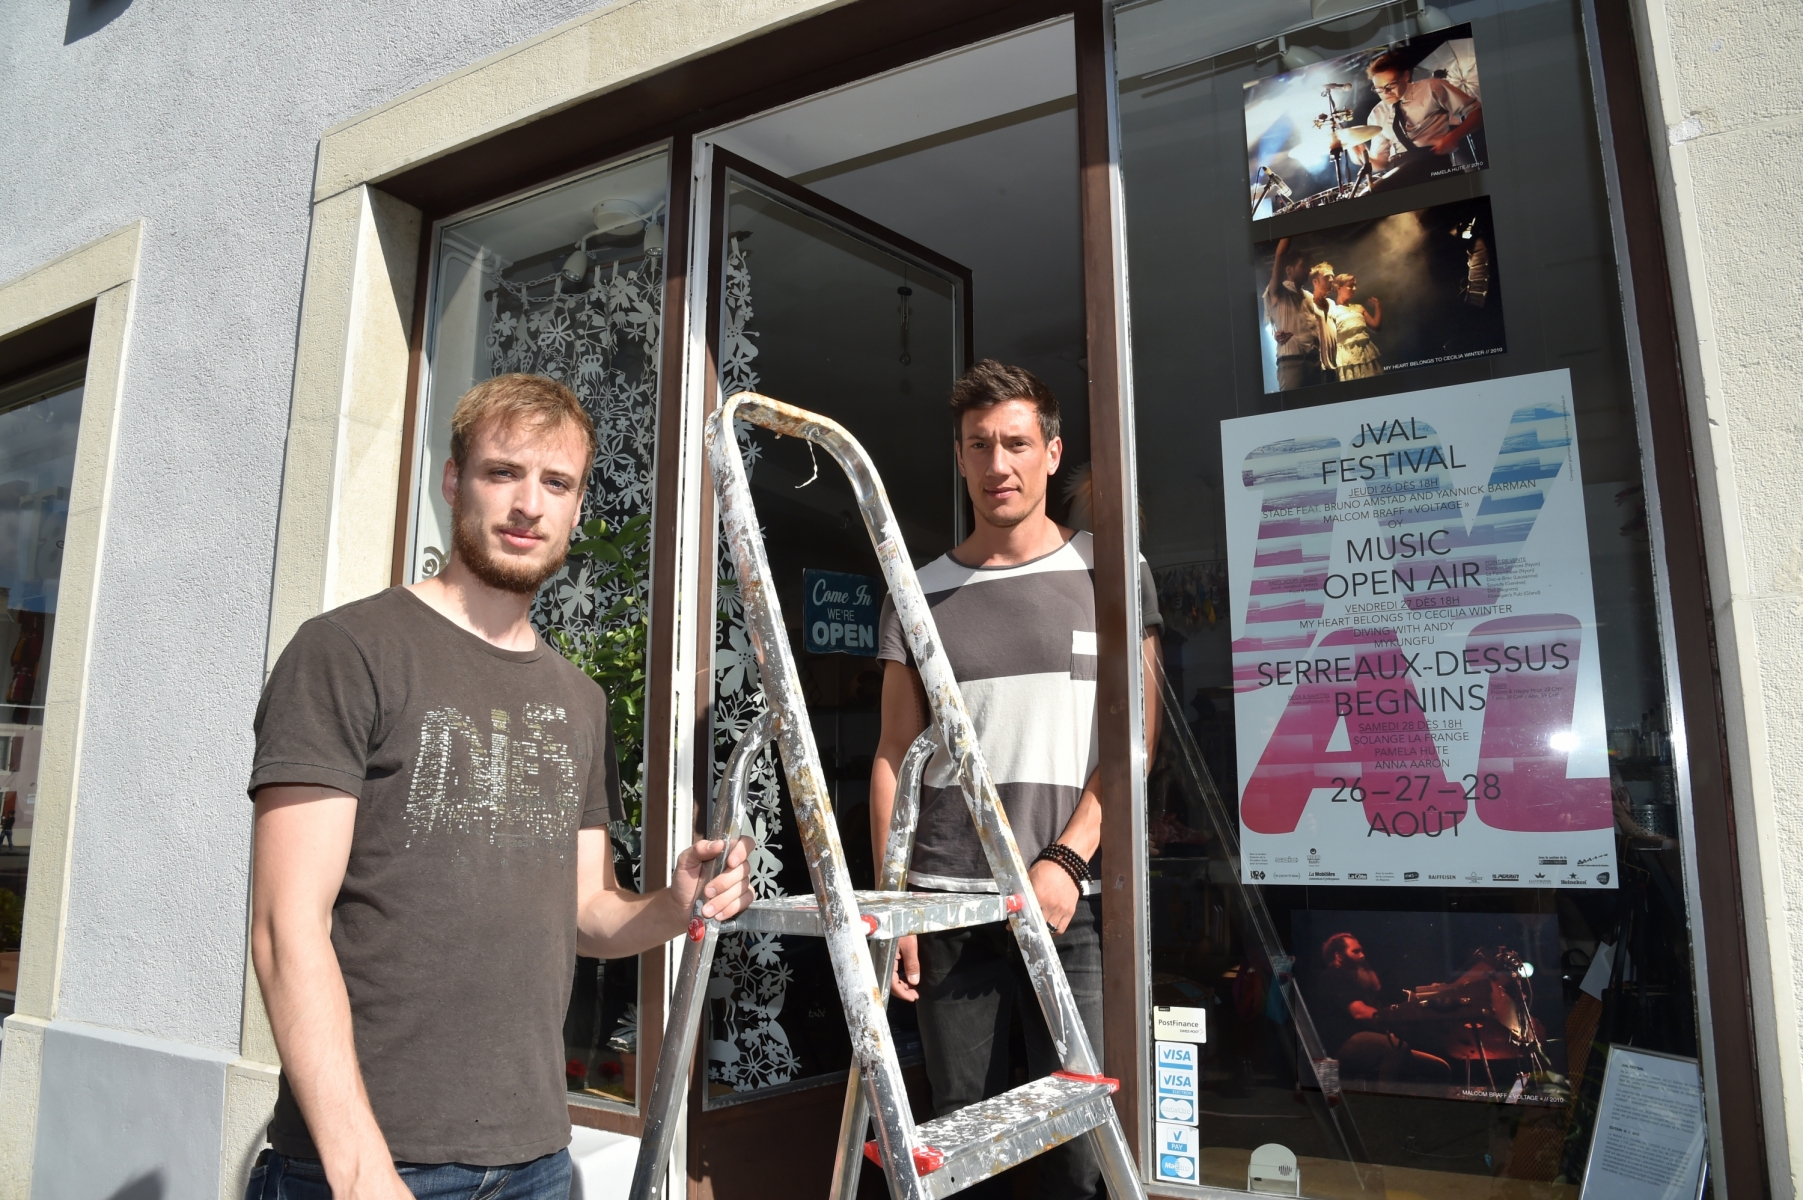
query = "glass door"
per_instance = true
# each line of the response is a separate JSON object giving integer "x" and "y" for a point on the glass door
{"x": 822, "y": 308}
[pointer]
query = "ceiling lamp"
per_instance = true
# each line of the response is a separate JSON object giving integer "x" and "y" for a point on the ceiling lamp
{"x": 1429, "y": 19}
{"x": 617, "y": 218}
{"x": 576, "y": 265}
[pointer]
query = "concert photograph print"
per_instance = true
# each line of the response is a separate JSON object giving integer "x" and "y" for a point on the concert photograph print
{"x": 1372, "y": 121}
{"x": 1451, "y": 1005}
{"x": 1361, "y": 300}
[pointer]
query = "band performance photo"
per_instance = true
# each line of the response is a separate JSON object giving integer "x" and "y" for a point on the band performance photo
{"x": 1463, "y": 1006}
{"x": 1367, "y": 122}
{"x": 1361, "y": 300}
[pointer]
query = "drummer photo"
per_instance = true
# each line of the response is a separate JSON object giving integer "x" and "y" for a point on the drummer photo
{"x": 1372, "y": 121}
{"x": 1367, "y": 299}
{"x": 1463, "y": 1006}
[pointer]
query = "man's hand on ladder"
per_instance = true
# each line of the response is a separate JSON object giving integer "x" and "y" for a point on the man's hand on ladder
{"x": 907, "y": 968}
{"x": 1056, "y": 892}
{"x": 729, "y": 893}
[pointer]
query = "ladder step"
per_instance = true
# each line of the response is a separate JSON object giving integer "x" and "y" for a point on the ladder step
{"x": 987, "y": 1138}
{"x": 886, "y": 915}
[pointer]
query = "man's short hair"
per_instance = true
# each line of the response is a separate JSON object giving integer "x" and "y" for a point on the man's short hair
{"x": 1291, "y": 257}
{"x": 515, "y": 399}
{"x": 1387, "y": 63}
{"x": 1334, "y": 946}
{"x": 1322, "y": 269}
{"x": 990, "y": 383}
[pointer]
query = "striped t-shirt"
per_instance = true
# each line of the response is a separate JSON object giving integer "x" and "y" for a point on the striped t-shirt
{"x": 1021, "y": 641}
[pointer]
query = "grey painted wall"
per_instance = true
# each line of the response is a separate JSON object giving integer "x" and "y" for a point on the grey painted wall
{"x": 202, "y": 120}
{"x": 99, "y": 1138}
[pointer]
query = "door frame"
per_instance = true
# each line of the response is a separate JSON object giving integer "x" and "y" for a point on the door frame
{"x": 715, "y": 167}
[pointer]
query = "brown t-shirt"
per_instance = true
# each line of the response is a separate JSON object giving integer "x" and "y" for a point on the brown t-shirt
{"x": 473, "y": 768}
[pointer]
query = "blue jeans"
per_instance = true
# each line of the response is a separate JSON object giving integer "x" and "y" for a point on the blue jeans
{"x": 276, "y": 1177}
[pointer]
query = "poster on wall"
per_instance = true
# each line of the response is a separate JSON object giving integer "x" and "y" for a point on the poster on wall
{"x": 1368, "y": 299}
{"x": 1372, "y": 121}
{"x": 1454, "y": 1005}
{"x": 1417, "y": 698}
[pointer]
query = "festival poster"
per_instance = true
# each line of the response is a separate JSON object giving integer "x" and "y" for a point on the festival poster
{"x": 1417, "y": 697}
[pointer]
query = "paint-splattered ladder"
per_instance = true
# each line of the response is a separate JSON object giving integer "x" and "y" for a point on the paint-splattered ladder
{"x": 943, "y": 1156}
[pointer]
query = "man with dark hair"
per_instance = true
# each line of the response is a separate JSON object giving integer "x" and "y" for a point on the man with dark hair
{"x": 1429, "y": 126}
{"x": 1294, "y": 320}
{"x": 433, "y": 787}
{"x": 1016, "y": 613}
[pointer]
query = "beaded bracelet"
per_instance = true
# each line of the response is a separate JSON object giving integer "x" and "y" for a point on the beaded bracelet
{"x": 1069, "y": 860}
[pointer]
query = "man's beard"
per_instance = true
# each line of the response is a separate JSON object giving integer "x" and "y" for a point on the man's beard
{"x": 470, "y": 547}
{"x": 1366, "y": 978}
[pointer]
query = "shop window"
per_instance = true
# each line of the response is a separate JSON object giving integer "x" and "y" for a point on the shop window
{"x": 569, "y": 283}
{"x": 39, "y": 420}
{"x": 1416, "y": 886}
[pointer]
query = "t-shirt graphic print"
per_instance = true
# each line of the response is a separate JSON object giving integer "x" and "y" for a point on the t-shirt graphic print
{"x": 1021, "y": 641}
{"x": 473, "y": 767}
{"x": 517, "y": 787}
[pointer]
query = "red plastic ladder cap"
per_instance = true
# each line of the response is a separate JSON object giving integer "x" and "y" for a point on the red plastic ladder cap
{"x": 927, "y": 1159}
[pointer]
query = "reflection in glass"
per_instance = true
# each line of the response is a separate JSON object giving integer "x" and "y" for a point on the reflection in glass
{"x": 817, "y": 317}
{"x": 568, "y": 283}
{"x": 1379, "y": 1032}
{"x": 37, "y": 465}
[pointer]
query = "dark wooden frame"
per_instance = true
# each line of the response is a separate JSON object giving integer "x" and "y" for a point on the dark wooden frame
{"x": 1117, "y": 582}
{"x": 1685, "y": 570}
{"x": 870, "y": 36}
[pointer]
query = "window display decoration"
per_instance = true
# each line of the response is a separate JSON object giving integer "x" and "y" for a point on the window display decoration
{"x": 1383, "y": 118}
{"x": 748, "y": 1048}
{"x": 596, "y": 329}
{"x": 594, "y": 323}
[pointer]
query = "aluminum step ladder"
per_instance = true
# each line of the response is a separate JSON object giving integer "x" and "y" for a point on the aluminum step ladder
{"x": 939, "y": 1157}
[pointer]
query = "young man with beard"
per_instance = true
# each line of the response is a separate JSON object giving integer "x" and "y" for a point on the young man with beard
{"x": 433, "y": 786}
{"x": 1015, "y": 609}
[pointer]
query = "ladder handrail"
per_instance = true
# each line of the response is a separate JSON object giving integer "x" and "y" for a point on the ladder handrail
{"x": 904, "y": 813}
{"x": 891, "y": 876}
{"x": 678, "y": 1052}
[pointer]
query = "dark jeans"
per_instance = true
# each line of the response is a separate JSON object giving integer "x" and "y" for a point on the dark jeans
{"x": 276, "y": 1177}
{"x": 972, "y": 987}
